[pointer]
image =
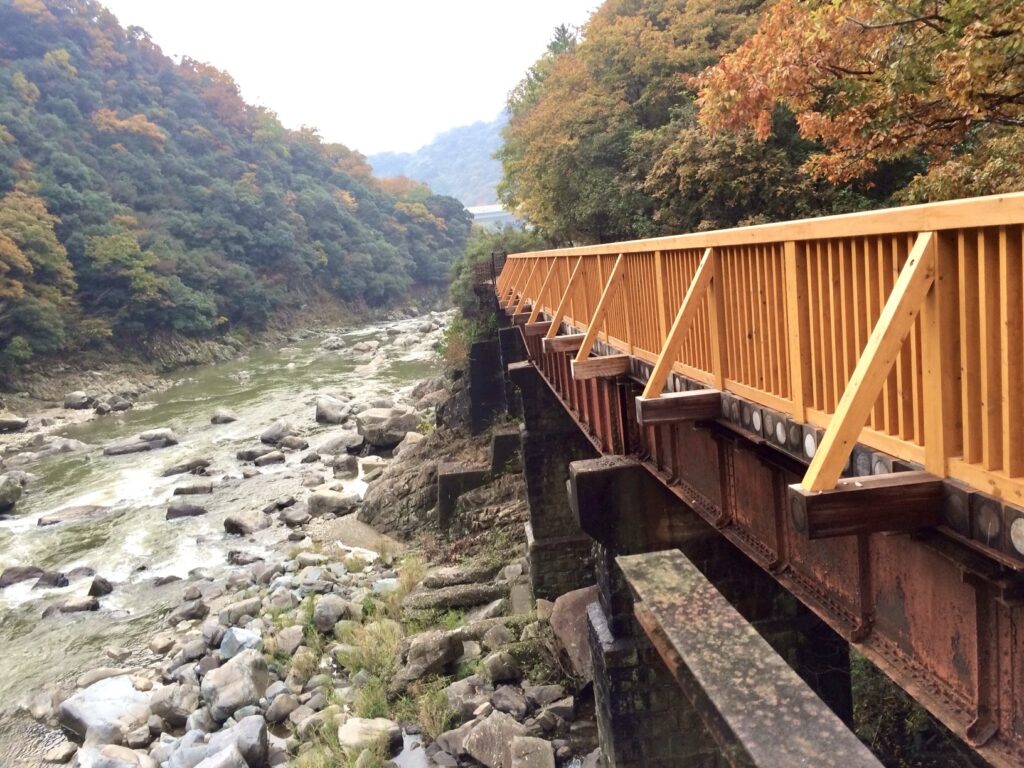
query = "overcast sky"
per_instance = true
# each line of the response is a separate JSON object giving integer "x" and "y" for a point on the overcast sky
{"x": 374, "y": 74}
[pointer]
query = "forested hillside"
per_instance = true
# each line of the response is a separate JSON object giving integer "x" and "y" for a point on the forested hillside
{"x": 665, "y": 117}
{"x": 459, "y": 162}
{"x": 141, "y": 195}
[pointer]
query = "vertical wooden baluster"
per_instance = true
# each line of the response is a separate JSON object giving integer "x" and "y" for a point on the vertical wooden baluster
{"x": 1011, "y": 282}
{"x": 801, "y": 355}
{"x": 991, "y": 383}
{"x": 970, "y": 346}
{"x": 717, "y": 325}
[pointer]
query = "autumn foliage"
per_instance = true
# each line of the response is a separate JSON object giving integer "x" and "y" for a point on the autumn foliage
{"x": 875, "y": 82}
{"x": 665, "y": 116}
{"x": 142, "y": 196}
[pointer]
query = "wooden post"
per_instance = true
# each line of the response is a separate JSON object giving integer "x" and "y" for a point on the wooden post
{"x": 610, "y": 289}
{"x": 940, "y": 360}
{"x": 873, "y": 367}
{"x": 683, "y": 321}
{"x": 556, "y": 319}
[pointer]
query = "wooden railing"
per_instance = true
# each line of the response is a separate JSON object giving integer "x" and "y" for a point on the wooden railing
{"x": 901, "y": 329}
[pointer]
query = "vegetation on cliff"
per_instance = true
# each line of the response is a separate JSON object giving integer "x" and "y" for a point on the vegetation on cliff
{"x": 138, "y": 195}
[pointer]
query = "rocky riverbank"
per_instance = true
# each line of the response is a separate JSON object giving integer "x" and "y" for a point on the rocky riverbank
{"x": 321, "y": 640}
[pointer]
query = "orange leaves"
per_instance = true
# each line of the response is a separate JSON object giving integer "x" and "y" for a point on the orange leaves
{"x": 107, "y": 121}
{"x": 876, "y": 81}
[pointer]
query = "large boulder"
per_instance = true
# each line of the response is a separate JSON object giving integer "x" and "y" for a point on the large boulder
{"x": 240, "y": 682}
{"x": 83, "y": 514}
{"x": 146, "y": 441}
{"x": 531, "y": 752}
{"x": 77, "y": 604}
{"x": 428, "y": 653}
{"x": 78, "y": 400}
{"x": 231, "y": 614}
{"x": 331, "y": 410}
{"x": 329, "y": 610}
{"x": 245, "y": 523}
{"x": 238, "y": 639}
{"x": 113, "y": 756}
{"x": 346, "y": 442}
{"x": 105, "y": 712}
{"x": 11, "y": 423}
{"x": 466, "y": 695}
{"x": 490, "y": 742}
{"x": 178, "y": 508}
{"x": 17, "y": 573}
{"x": 456, "y": 596}
{"x": 569, "y": 623}
{"x": 223, "y": 416}
{"x": 276, "y": 432}
{"x": 385, "y": 428}
{"x": 174, "y": 703}
{"x": 10, "y": 492}
{"x": 334, "y": 502}
{"x": 359, "y": 733}
{"x": 248, "y": 736}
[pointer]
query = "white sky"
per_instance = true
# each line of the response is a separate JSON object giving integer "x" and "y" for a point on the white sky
{"x": 374, "y": 75}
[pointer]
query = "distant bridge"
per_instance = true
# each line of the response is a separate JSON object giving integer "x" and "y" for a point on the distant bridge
{"x": 841, "y": 399}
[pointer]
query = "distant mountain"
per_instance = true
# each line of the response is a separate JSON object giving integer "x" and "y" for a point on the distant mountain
{"x": 458, "y": 162}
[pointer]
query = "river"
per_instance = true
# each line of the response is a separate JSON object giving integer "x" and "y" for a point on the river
{"x": 133, "y": 544}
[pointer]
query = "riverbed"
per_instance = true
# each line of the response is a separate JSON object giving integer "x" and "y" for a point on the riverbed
{"x": 131, "y": 544}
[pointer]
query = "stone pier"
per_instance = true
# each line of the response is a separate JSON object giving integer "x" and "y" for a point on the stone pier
{"x": 559, "y": 552}
{"x": 644, "y": 716}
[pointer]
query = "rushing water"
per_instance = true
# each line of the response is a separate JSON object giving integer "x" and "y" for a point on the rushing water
{"x": 133, "y": 543}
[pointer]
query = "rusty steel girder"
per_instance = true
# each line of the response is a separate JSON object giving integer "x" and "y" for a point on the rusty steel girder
{"x": 940, "y": 614}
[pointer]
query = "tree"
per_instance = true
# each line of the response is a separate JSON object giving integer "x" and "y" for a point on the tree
{"x": 878, "y": 82}
{"x": 590, "y": 120}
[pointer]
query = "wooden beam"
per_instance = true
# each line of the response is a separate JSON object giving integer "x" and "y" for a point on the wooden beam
{"x": 679, "y": 406}
{"x": 684, "y": 319}
{"x": 520, "y": 318}
{"x": 611, "y": 288}
{"x": 535, "y": 329}
{"x": 600, "y": 367}
{"x": 873, "y": 367}
{"x": 543, "y": 292}
{"x": 900, "y": 501}
{"x": 563, "y": 343}
{"x": 526, "y": 286}
{"x": 566, "y": 298}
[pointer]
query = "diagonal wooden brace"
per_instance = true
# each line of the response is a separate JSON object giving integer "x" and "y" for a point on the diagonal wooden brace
{"x": 880, "y": 352}
{"x": 684, "y": 319}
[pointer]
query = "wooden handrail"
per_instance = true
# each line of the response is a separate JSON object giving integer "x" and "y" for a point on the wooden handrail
{"x": 901, "y": 330}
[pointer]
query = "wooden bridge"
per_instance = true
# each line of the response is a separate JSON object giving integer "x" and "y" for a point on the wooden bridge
{"x": 841, "y": 398}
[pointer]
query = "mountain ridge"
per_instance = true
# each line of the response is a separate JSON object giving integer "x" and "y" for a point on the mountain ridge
{"x": 459, "y": 162}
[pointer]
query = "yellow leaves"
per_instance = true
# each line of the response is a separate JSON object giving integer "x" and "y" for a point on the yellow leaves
{"x": 107, "y": 121}
{"x": 25, "y": 88}
{"x": 346, "y": 199}
{"x": 32, "y": 7}
{"x": 60, "y": 60}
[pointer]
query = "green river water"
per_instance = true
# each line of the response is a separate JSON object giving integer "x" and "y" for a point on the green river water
{"x": 133, "y": 543}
